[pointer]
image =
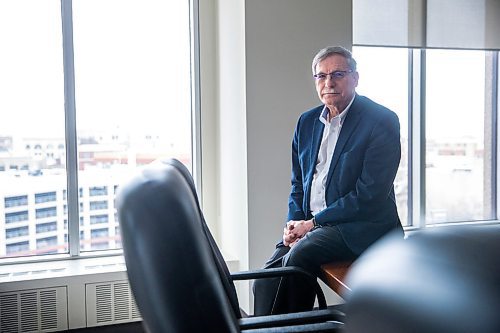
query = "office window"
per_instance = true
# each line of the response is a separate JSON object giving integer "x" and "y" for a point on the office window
{"x": 97, "y": 205}
{"x": 16, "y": 217}
{"x": 47, "y": 242}
{"x": 99, "y": 239}
{"x": 458, "y": 172}
{"x": 45, "y": 197}
{"x": 17, "y": 248}
{"x": 447, "y": 102}
{"x": 99, "y": 233}
{"x": 98, "y": 190}
{"x": 21, "y": 200}
{"x": 96, "y": 219}
{"x": 142, "y": 97}
{"x": 32, "y": 104}
{"x": 383, "y": 77}
{"x": 127, "y": 102}
{"x": 41, "y": 213}
{"x": 46, "y": 227}
{"x": 16, "y": 232}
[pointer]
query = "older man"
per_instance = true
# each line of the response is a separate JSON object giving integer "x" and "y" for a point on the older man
{"x": 345, "y": 155}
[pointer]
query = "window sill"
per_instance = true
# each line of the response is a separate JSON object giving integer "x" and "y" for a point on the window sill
{"x": 61, "y": 268}
{"x": 65, "y": 267}
{"x": 412, "y": 229}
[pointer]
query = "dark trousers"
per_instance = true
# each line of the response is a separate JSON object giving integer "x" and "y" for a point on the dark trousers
{"x": 294, "y": 293}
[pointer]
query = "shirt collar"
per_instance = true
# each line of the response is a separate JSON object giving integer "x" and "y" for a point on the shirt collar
{"x": 324, "y": 114}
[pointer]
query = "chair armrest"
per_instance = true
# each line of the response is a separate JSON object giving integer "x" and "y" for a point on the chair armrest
{"x": 296, "y": 318}
{"x": 279, "y": 272}
{"x": 270, "y": 272}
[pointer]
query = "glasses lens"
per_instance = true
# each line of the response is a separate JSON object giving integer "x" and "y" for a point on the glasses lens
{"x": 338, "y": 74}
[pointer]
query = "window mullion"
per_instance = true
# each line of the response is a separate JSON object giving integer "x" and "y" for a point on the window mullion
{"x": 417, "y": 145}
{"x": 410, "y": 201}
{"x": 495, "y": 106}
{"x": 195, "y": 95}
{"x": 422, "y": 126}
{"x": 70, "y": 129}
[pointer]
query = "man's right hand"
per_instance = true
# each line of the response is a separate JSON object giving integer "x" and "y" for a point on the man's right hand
{"x": 289, "y": 236}
{"x": 295, "y": 230}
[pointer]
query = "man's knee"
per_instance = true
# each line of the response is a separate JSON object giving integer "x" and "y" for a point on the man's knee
{"x": 297, "y": 257}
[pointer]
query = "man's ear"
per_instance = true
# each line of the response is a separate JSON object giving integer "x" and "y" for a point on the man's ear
{"x": 355, "y": 76}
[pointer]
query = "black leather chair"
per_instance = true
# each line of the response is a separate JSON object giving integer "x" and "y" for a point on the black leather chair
{"x": 177, "y": 274}
{"x": 438, "y": 280}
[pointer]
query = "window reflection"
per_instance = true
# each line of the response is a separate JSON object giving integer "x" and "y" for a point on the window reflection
{"x": 456, "y": 159}
{"x": 138, "y": 110}
{"x": 383, "y": 77}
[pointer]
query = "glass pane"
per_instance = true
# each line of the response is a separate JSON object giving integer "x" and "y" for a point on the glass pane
{"x": 458, "y": 167}
{"x": 133, "y": 102}
{"x": 383, "y": 77}
{"x": 32, "y": 146}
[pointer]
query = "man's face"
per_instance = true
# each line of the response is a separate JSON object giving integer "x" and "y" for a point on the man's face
{"x": 334, "y": 90}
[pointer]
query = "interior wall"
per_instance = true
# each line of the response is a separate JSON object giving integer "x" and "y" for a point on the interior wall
{"x": 261, "y": 53}
{"x": 282, "y": 37}
{"x": 223, "y": 126}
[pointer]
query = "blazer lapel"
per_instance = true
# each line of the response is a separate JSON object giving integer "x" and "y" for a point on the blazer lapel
{"x": 352, "y": 119}
{"x": 315, "y": 143}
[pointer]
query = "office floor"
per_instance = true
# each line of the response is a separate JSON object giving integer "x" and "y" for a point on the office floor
{"x": 135, "y": 327}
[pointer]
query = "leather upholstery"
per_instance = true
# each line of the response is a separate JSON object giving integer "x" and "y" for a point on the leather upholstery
{"x": 170, "y": 265}
{"x": 438, "y": 280}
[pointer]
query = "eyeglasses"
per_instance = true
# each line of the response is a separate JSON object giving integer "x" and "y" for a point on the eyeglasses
{"x": 336, "y": 75}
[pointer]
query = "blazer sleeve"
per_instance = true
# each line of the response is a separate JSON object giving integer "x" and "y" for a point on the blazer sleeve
{"x": 372, "y": 192}
{"x": 295, "y": 199}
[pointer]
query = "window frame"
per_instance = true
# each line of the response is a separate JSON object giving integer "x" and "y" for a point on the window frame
{"x": 417, "y": 75}
{"x": 70, "y": 113}
{"x": 73, "y": 191}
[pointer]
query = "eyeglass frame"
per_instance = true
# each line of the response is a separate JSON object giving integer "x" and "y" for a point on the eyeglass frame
{"x": 335, "y": 75}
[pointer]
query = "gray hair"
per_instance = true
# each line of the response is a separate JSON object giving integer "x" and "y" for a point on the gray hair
{"x": 331, "y": 50}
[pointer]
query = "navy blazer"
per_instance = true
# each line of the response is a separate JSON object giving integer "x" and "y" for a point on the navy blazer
{"x": 360, "y": 184}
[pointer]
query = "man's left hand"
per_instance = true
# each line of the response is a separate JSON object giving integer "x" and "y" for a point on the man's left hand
{"x": 300, "y": 228}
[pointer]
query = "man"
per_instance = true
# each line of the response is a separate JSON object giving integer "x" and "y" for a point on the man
{"x": 345, "y": 155}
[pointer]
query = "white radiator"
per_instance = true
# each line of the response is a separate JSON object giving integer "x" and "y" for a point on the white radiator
{"x": 35, "y": 310}
{"x": 110, "y": 303}
{"x": 57, "y": 296}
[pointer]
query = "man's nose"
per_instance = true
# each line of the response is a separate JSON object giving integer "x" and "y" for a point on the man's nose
{"x": 329, "y": 81}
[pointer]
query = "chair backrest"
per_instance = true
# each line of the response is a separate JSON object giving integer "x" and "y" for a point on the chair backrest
{"x": 170, "y": 264}
{"x": 438, "y": 280}
{"x": 222, "y": 268}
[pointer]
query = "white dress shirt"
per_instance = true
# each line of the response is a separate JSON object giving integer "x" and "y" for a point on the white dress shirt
{"x": 328, "y": 142}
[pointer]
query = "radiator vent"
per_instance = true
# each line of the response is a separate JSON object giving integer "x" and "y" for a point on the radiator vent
{"x": 110, "y": 303}
{"x": 36, "y": 310}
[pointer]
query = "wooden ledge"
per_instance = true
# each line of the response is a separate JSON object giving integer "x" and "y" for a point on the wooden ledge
{"x": 333, "y": 274}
